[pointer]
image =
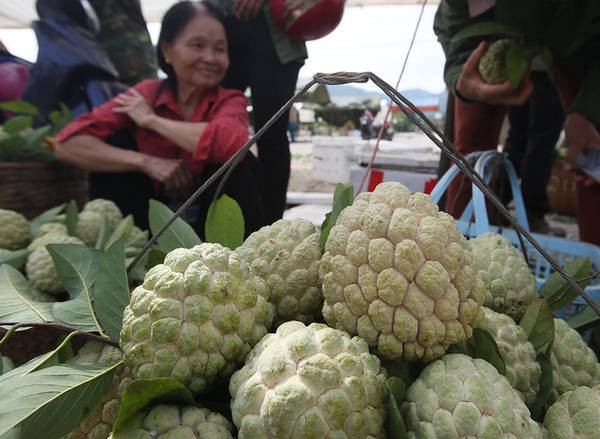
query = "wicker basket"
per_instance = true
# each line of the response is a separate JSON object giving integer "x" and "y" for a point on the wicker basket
{"x": 32, "y": 188}
{"x": 562, "y": 194}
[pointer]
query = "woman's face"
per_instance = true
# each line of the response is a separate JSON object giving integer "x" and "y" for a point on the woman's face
{"x": 199, "y": 53}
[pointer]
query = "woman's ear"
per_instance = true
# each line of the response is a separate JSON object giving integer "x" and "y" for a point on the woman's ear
{"x": 164, "y": 49}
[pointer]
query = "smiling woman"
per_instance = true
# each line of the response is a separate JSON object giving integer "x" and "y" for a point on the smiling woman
{"x": 184, "y": 125}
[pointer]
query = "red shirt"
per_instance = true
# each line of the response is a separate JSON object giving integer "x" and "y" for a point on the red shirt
{"x": 223, "y": 109}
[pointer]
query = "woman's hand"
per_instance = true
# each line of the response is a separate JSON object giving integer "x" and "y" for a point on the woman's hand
{"x": 172, "y": 173}
{"x": 136, "y": 107}
{"x": 246, "y": 9}
{"x": 470, "y": 84}
{"x": 580, "y": 133}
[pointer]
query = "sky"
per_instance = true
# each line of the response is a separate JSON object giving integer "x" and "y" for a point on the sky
{"x": 373, "y": 38}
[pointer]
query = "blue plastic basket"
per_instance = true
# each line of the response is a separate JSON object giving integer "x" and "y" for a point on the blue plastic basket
{"x": 561, "y": 249}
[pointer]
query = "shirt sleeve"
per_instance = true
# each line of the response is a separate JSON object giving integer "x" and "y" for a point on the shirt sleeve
{"x": 102, "y": 121}
{"x": 226, "y": 132}
{"x": 451, "y": 17}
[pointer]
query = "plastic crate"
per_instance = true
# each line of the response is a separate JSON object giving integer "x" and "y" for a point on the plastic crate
{"x": 561, "y": 249}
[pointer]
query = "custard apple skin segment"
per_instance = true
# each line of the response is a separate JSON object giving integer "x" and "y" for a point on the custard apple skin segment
{"x": 576, "y": 415}
{"x": 309, "y": 382}
{"x": 574, "y": 363}
{"x": 458, "y": 396}
{"x": 195, "y": 317}
{"x": 88, "y": 227}
{"x": 510, "y": 285}
{"x": 40, "y": 269}
{"x": 176, "y": 422}
{"x": 492, "y": 65}
{"x": 522, "y": 370}
{"x": 14, "y": 230}
{"x": 107, "y": 208}
{"x": 287, "y": 255}
{"x": 397, "y": 272}
{"x": 99, "y": 423}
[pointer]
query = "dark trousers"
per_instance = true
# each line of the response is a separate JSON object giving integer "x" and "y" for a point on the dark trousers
{"x": 530, "y": 144}
{"x": 255, "y": 64}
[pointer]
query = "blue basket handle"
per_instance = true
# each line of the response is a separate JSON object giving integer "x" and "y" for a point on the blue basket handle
{"x": 484, "y": 167}
{"x": 442, "y": 185}
{"x": 482, "y": 161}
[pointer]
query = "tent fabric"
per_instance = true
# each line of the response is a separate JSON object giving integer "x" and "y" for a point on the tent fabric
{"x": 20, "y": 13}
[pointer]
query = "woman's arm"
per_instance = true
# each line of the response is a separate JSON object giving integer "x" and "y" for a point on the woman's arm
{"x": 184, "y": 134}
{"x": 92, "y": 154}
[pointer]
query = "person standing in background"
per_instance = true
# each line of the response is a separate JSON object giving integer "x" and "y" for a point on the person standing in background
{"x": 534, "y": 129}
{"x": 125, "y": 38}
{"x": 267, "y": 61}
{"x": 573, "y": 36}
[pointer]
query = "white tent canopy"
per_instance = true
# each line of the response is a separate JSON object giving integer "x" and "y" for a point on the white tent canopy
{"x": 20, "y": 13}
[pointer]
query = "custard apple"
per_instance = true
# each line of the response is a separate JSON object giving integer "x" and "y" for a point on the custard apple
{"x": 287, "y": 255}
{"x": 510, "y": 285}
{"x": 14, "y": 230}
{"x": 397, "y": 272}
{"x": 492, "y": 65}
{"x": 458, "y": 396}
{"x": 107, "y": 208}
{"x": 88, "y": 227}
{"x": 574, "y": 364}
{"x": 51, "y": 228}
{"x": 39, "y": 268}
{"x": 101, "y": 419}
{"x": 309, "y": 382}
{"x": 175, "y": 422}
{"x": 522, "y": 370}
{"x": 576, "y": 415}
{"x": 195, "y": 317}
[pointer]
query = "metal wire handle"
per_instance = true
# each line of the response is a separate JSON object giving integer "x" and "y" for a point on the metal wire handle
{"x": 413, "y": 114}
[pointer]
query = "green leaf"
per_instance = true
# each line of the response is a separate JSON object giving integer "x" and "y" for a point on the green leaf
{"x": 178, "y": 235}
{"x": 49, "y": 216}
{"x": 343, "y": 197}
{"x": 586, "y": 316}
{"x": 103, "y": 234}
{"x": 487, "y": 349}
{"x": 486, "y": 28}
{"x": 6, "y": 364}
{"x": 556, "y": 289}
{"x": 111, "y": 290}
{"x": 546, "y": 386}
{"x": 395, "y": 427}
{"x": 17, "y": 124}
{"x": 14, "y": 258}
{"x": 62, "y": 353}
{"x": 77, "y": 268}
{"x": 517, "y": 63}
{"x": 71, "y": 217}
{"x": 122, "y": 230}
{"x": 141, "y": 393}
{"x": 538, "y": 323}
{"x": 225, "y": 223}
{"x": 15, "y": 299}
{"x": 52, "y": 401}
{"x": 20, "y": 107}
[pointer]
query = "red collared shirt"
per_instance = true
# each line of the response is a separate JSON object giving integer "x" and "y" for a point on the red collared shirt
{"x": 223, "y": 109}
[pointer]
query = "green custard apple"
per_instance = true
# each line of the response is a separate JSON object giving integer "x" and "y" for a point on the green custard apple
{"x": 287, "y": 255}
{"x": 195, "y": 317}
{"x": 309, "y": 382}
{"x": 397, "y": 272}
{"x": 176, "y": 422}
{"x": 458, "y": 396}
{"x": 576, "y": 414}
{"x": 510, "y": 285}
{"x": 492, "y": 65}
{"x": 14, "y": 230}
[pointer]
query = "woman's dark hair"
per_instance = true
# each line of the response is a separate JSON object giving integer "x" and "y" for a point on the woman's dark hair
{"x": 174, "y": 21}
